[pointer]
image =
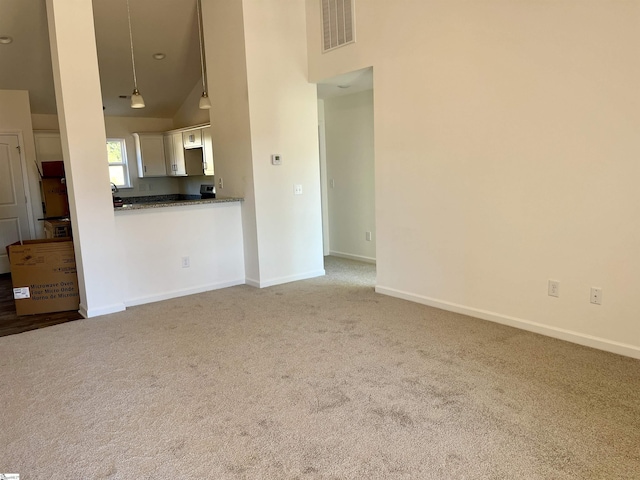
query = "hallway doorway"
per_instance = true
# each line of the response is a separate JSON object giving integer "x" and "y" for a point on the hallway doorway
{"x": 346, "y": 133}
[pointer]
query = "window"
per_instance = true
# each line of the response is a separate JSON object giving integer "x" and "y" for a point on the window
{"x": 118, "y": 168}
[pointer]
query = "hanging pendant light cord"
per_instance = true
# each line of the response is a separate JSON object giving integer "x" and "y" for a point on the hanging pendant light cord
{"x": 133, "y": 61}
{"x": 204, "y": 85}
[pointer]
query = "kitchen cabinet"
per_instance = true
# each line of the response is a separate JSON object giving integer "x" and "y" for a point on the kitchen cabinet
{"x": 199, "y": 161}
{"x": 174, "y": 153}
{"x": 207, "y": 151}
{"x": 177, "y": 153}
{"x": 150, "y": 154}
{"x": 192, "y": 138}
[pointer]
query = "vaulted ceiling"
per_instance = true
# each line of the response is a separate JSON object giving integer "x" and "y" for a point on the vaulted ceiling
{"x": 159, "y": 26}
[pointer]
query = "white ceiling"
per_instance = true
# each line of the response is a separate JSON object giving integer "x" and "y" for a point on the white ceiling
{"x": 166, "y": 26}
{"x": 25, "y": 64}
{"x": 347, "y": 84}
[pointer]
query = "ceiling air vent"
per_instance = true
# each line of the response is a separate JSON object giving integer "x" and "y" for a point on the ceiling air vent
{"x": 337, "y": 23}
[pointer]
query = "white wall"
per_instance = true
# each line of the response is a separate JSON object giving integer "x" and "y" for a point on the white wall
{"x": 350, "y": 166}
{"x": 15, "y": 117}
{"x": 284, "y": 120}
{"x": 155, "y": 240}
{"x": 506, "y": 154}
{"x": 82, "y": 131}
{"x": 223, "y": 31}
{"x": 44, "y": 121}
{"x": 263, "y": 104}
{"x": 323, "y": 179}
{"x": 189, "y": 113}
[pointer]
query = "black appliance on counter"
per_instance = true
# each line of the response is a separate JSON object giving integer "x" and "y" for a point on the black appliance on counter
{"x": 207, "y": 191}
{"x": 117, "y": 201}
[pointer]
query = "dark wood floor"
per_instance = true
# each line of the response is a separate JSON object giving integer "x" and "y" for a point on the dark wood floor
{"x": 10, "y": 323}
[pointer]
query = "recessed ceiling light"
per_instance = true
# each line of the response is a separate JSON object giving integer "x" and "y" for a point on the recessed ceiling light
{"x": 159, "y": 56}
{"x": 344, "y": 86}
{"x": 5, "y": 40}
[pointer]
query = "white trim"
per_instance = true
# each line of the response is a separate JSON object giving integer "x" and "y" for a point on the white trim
{"x": 182, "y": 292}
{"x": 281, "y": 280}
{"x": 359, "y": 258}
{"x": 97, "y": 312}
{"x": 560, "y": 333}
{"x": 324, "y": 190}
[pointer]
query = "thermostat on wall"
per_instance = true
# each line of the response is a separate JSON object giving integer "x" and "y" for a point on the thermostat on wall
{"x": 276, "y": 159}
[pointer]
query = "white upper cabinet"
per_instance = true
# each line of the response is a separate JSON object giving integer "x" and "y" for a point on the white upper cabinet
{"x": 199, "y": 160}
{"x": 192, "y": 138}
{"x": 176, "y": 153}
{"x": 150, "y": 154}
{"x": 175, "y": 164}
{"x": 207, "y": 151}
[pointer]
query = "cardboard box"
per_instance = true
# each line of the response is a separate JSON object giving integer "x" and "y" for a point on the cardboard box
{"x": 44, "y": 277}
{"x": 54, "y": 197}
{"x": 57, "y": 228}
{"x": 53, "y": 169}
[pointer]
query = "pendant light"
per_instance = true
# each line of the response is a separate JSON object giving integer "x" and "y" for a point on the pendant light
{"x": 205, "y": 103}
{"x": 136, "y": 99}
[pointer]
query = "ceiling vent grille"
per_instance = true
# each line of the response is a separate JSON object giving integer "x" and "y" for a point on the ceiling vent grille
{"x": 337, "y": 23}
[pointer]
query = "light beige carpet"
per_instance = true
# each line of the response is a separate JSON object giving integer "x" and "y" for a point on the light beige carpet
{"x": 315, "y": 379}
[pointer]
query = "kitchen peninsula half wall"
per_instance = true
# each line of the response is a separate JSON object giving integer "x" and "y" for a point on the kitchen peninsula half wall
{"x": 191, "y": 247}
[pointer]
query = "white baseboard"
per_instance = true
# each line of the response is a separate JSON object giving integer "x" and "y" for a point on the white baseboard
{"x": 97, "y": 312}
{"x": 182, "y": 292}
{"x": 359, "y": 258}
{"x": 560, "y": 333}
{"x": 280, "y": 280}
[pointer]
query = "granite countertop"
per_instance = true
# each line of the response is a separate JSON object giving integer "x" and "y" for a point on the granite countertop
{"x": 161, "y": 201}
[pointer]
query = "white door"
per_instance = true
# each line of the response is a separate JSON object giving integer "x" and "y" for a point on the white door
{"x": 14, "y": 219}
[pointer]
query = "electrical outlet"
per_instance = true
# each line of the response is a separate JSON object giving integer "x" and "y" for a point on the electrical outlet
{"x": 554, "y": 288}
{"x": 144, "y": 187}
{"x": 367, "y": 236}
{"x": 185, "y": 262}
{"x": 220, "y": 182}
{"x": 332, "y": 183}
{"x": 596, "y": 295}
{"x": 297, "y": 189}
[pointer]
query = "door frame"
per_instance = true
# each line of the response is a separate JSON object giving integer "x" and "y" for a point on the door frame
{"x": 25, "y": 178}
